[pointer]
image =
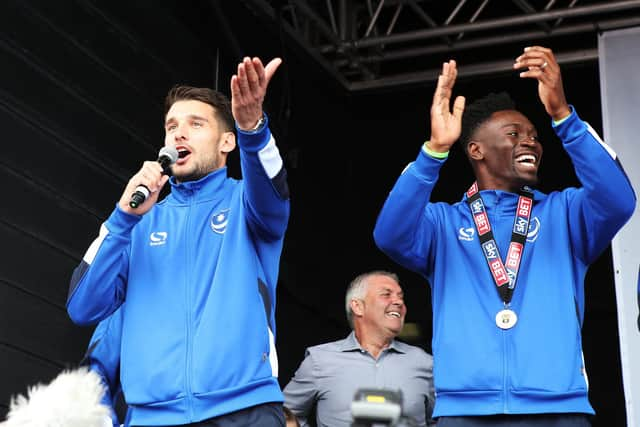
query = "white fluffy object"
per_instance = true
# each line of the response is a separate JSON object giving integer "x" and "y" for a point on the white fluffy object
{"x": 72, "y": 399}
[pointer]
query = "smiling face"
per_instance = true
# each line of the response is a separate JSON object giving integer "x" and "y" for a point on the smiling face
{"x": 505, "y": 152}
{"x": 192, "y": 128}
{"x": 382, "y": 309}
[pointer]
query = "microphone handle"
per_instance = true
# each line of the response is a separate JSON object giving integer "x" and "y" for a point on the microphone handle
{"x": 165, "y": 164}
{"x": 139, "y": 196}
{"x": 142, "y": 192}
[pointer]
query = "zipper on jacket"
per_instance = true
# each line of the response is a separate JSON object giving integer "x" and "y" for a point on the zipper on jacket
{"x": 187, "y": 300}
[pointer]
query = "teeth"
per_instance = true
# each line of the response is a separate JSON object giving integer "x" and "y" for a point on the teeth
{"x": 394, "y": 313}
{"x": 526, "y": 158}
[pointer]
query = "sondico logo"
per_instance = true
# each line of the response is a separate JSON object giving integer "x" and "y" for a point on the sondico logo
{"x": 158, "y": 238}
{"x": 466, "y": 234}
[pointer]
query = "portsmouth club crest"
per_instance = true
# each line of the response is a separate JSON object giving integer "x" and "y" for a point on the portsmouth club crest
{"x": 219, "y": 221}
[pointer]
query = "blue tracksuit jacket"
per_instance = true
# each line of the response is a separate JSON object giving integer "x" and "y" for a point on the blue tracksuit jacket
{"x": 537, "y": 366}
{"x": 103, "y": 358}
{"x": 198, "y": 273}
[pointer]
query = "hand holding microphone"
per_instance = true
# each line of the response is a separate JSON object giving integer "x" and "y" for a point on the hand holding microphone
{"x": 147, "y": 182}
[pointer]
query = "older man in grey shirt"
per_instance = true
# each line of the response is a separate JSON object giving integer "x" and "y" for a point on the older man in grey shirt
{"x": 369, "y": 357}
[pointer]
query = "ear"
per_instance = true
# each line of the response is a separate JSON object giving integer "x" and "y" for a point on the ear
{"x": 228, "y": 143}
{"x": 474, "y": 149}
{"x": 357, "y": 307}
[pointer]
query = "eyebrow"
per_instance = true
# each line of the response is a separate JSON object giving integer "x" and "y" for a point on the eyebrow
{"x": 511, "y": 124}
{"x": 519, "y": 125}
{"x": 391, "y": 291}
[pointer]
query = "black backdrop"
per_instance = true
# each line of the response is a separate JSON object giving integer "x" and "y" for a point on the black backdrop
{"x": 81, "y": 104}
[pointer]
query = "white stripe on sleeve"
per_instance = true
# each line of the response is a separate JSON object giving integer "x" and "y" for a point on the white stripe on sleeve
{"x": 270, "y": 158}
{"x": 601, "y": 142}
{"x": 93, "y": 249}
{"x": 273, "y": 355}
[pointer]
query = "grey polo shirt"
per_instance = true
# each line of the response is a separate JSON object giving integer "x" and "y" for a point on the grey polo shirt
{"x": 331, "y": 373}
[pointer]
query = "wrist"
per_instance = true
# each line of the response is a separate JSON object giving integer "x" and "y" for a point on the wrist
{"x": 561, "y": 114}
{"x": 426, "y": 147}
{"x": 257, "y": 127}
{"x": 436, "y": 147}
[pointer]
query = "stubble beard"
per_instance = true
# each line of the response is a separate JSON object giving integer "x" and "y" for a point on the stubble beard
{"x": 198, "y": 172}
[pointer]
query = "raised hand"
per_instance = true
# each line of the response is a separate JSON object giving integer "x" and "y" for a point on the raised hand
{"x": 248, "y": 89}
{"x": 540, "y": 64}
{"x": 445, "y": 124}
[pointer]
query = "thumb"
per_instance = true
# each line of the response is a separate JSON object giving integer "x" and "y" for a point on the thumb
{"x": 458, "y": 107}
{"x": 271, "y": 68}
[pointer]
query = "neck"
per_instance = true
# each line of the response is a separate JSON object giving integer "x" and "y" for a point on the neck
{"x": 374, "y": 343}
{"x": 492, "y": 183}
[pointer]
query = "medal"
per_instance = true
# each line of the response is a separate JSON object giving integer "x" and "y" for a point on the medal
{"x": 506, "y": 319}
{"x": 503, "y": 273}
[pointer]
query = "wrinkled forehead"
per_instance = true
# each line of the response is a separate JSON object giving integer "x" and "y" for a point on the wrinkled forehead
{"x": 376, "y": 284}
{"x": 189, "y": 108}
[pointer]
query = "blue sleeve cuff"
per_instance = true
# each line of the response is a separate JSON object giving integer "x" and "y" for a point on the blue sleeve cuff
{"x": 555, "y": 123}
{"x": 254, "y": 140}
{"x": 121, "y": 222}
{"x": 427, "y": 167}
{"x": 434, "y": 154}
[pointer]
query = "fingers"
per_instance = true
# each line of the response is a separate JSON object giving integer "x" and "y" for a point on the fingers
{"x": 445, "y": 124}
{"x": 444, "y": 87}
{"x": 535, "y": 61}
{"x": 252, "y": 77}
{"x": 243, "y": 80}
{"x": 236, "y": 95}
{"x": 254, "y": 72}
{"x": 248, "y": 89}
{"x": 149, "y": 176}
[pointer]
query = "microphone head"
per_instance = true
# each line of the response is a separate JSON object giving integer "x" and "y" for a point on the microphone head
{"x": 168, "y": 155}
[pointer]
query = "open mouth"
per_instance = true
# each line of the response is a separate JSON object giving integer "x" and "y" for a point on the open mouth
{"x": 183, "y": 153}
{"x": 394, "y": 314}
{"x": 527, "y": 160}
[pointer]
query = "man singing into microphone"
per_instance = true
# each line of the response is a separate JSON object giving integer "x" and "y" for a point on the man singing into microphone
{"x": 199, "y": 268}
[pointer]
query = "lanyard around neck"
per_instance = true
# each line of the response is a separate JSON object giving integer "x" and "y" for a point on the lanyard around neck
{"x": 503, "y": 273}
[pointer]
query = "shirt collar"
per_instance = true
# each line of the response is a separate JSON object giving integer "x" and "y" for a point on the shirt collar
{"x": 351, "y": 343}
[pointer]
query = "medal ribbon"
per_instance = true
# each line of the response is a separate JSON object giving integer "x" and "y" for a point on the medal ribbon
{"x": 503, "y": 273}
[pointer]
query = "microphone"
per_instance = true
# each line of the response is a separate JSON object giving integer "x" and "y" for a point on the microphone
{"x": 166, "y": 157}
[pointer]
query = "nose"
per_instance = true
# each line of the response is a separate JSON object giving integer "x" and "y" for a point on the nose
{"x": 530, "y": 140}
{"x": 181, "y": 133}
{"x": 398, "y": 301}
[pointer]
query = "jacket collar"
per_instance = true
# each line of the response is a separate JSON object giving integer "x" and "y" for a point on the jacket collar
{"x": 493, "y": 196}
{"x": 205, "y": 188}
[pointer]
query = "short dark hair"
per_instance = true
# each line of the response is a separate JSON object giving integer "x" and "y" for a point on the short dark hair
{"x": 480, "y": 111}
{"x": 220, "y": 103}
